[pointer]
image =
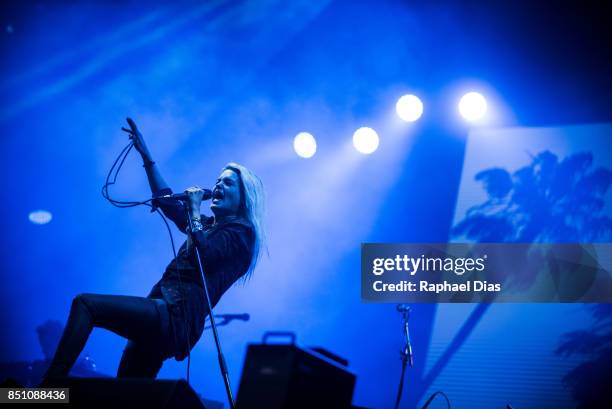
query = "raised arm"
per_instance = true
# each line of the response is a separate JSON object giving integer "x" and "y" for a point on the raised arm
{"x": 156, "y": 181}
{"x": 172, "y": 209}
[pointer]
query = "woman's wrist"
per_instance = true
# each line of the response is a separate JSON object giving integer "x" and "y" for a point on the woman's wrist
{"x": 196, "y": 225}
{"x": 195, "y": 214}
{"x": 147, "y": 161}
{"x": 196, "y": 220}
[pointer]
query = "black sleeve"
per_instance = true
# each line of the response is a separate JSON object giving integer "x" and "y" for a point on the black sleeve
{"x": 233, "y": 242}
{"x": 172, "y": 209}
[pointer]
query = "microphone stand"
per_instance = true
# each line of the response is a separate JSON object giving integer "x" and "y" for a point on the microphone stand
{"x": 222, "y": 364}
{"x": 225, "y": 321}
{"x": 406, "y": 351}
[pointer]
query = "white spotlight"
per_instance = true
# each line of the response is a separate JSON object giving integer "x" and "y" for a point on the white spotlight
{"x": 40, "y": 217}
{"x": 365, "y": 140}
{"x": 409, "y": 108}
{"x": 305, "y": 145}
{"x": 472, "y": 106}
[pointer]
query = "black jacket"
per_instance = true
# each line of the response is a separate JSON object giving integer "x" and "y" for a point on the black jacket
{"x": 226, "y": 249}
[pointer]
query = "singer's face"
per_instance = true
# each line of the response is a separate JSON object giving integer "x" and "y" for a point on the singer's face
{"x": 226, "y": 194}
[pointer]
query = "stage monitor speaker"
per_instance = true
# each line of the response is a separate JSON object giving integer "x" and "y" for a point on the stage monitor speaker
{"x": 130, "y": 392}
{"x": 287, "y": 376}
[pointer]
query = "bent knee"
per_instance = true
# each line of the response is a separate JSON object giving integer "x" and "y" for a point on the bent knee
{"x": 82, "y": 299}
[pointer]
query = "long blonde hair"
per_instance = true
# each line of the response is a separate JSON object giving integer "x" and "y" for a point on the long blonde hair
{"x": 252, "y": 208}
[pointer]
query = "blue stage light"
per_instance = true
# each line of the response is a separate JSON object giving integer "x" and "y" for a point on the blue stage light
{"x": 365, "y": 140}
{"x": 40, "y": 217}
{"x": 305, "y": 145}
{"x": 472, "y": 106}
{"x": 409, "y": 108}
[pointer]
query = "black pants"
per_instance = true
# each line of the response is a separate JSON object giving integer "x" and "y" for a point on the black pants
{"x": 135, "y": 318}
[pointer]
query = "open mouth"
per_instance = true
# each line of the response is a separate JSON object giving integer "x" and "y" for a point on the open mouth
{"x": 217, "y": 194}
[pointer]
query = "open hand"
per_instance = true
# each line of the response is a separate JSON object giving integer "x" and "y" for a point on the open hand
{"x": 138, "y": 140}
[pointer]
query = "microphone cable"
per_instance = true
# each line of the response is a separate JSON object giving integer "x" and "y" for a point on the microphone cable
{"x": 431, "y": 398}
{"x": 124, "y": 204}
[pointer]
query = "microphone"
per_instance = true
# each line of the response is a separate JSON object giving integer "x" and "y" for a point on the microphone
{"x": 183, "y": 196}
{"x": 403, "y": 308}
{"x": 230, "y": 317}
